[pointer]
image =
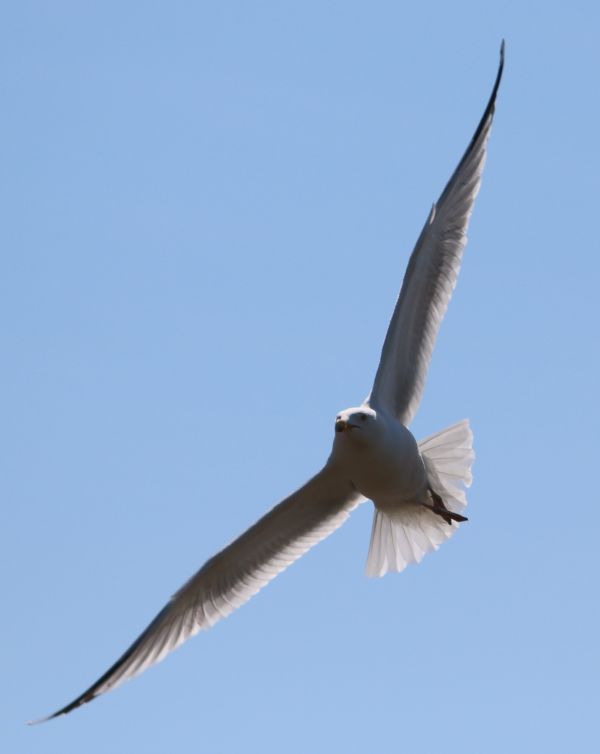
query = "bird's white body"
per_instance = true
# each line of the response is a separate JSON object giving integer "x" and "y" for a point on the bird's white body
{"x": 381, "y": 458}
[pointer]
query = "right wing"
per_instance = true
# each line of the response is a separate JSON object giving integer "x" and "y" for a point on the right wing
{"x": 429, "y": 281}
{"x": 235, "y": 574}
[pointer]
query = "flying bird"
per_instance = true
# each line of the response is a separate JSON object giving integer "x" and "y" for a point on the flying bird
{"x": 417, "y": 487}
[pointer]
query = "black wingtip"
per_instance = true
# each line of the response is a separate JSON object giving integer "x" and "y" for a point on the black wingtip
{"x": 62, "y": 711}
{"x": 484, "y": 123}
{"x": 492, "y": 101}
{"x": 501, "y": 66}
{"x": 40, "y": 720}
{"x": 491, "y": 105}
{"x": 100, "y": 686}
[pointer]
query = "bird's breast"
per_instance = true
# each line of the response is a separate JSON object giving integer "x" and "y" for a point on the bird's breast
{"x": 385, "y": 466}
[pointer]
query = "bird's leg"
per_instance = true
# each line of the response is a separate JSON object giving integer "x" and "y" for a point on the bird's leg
{"x": 440, "y": 509}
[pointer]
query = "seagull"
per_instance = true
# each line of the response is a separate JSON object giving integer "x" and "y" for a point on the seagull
{"x": 417, "y": 487}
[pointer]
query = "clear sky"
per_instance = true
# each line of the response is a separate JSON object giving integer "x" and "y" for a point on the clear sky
{"x": 207, "y": 211}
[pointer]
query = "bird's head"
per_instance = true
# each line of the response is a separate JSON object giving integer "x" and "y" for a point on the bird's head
{"x": 357, "y": 424}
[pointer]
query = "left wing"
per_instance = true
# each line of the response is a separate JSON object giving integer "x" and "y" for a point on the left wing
{"x": 429, "y": 281}
{"x": 235, "y": 574}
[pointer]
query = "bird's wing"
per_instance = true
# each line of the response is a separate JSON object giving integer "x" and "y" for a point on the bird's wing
{"x": 429, "y": 281}
{"x": 235, "y": 574}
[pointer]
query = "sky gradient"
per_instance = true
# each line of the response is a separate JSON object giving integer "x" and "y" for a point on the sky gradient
{"x": 208, "y": 210}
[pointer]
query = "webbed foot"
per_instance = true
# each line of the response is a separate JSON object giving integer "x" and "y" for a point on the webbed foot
{"x": 438, "y": 507}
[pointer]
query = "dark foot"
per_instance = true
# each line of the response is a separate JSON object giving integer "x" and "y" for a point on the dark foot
{"x": 440, "y": 509}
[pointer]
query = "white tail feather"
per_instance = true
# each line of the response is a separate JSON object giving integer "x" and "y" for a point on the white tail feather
{"x": 448, "y": 456}
{"x": 405, "y": 535}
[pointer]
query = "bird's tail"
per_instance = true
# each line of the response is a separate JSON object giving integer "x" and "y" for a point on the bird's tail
{"x": 404, "y": 536}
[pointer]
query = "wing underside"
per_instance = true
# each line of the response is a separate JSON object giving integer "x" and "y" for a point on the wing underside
{"x": 234, "y": 575}
{"x": 429, "y": 280}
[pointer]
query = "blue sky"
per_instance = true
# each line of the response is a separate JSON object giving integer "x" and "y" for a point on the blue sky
{"x": 208, "y": 209}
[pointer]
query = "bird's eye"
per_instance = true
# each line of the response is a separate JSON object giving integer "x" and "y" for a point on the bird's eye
{"x": 362, "y": 417}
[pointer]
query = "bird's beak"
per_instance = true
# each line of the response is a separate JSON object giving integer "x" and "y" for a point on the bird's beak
{"x": 340, "y": 425}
